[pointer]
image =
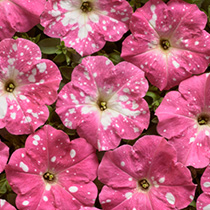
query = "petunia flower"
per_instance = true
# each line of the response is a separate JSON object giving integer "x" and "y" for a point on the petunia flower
{"x": 168, "y": 42}
{"x": 53, "y": 173}
{"x": 4, "y": 205}
{"x": 19, "y": 16}
{"x": 104, "y": 102}
{"x": 145, "y": 176}
{"x": 88, "y": 208}
{"x": 203, "y": 201}
{"x": 27, "y": 83}
{"x": 86, "y": 25}
{"x": 184, "y": 119}
{"x": 4, "y": 154}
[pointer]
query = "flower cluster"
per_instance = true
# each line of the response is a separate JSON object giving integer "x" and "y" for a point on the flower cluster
{"x": 103, "y": 102}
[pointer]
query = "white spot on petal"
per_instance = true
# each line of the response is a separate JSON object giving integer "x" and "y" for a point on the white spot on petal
{"x": 72, "y": 153}
{"x": 24, "y": 167}
{"x": 206, "y": 207}
{"x": 53, "y": 159}
{"x": 176, "y": 65}
{"x": 45, "y": 198}
{"x": 25, "y": 203}
{"x": 170, "y": 198}
{"x": 122, "y": 163}
{"x": 162, "y": 179}
{"x": 42, "y": 67}
{"x": 206, "y": 184}
{"x": 128, "y": 195}
{"x": 73, "y": 189}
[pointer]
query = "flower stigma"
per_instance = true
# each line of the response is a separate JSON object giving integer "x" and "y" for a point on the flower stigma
{"x": 143, "y": 184}
{"x": 10, "y": 86}
{"x": 165, "y": 44}
{"x": 86, "y": 7}
{"x": 203, "y": 119}
{"x": 102, "y": 105}
{"x": 49, "y": 177}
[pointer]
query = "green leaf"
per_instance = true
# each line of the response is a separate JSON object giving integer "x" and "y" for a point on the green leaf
{"x": 59, "y": 58}
{"x": 197, "y": 2}
{"x": 49, "y": 45}
{"x": 66, "y": 71}
{"x": 3, "y": 184}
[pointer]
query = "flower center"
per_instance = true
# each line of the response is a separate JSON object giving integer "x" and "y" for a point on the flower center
{"x": 143, "y": 184}
{"x": 10, "y": 86}
{"x": 86, "y": 6}
{"x": 203, "y": 119}
{"x": 49, "y": 177}
{"x": 102, "y": 105}
{"x": 165, "y": 44}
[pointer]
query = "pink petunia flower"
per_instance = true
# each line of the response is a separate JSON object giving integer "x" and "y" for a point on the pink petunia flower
{"x": 184, "y": 119}
{"x": 53, "y": 173}
{"x": 203, "y": 201}
{"x": 4, "y": 154}
{"x": 27, "y": 83}
{"x": 168, "y": 42}
{"x": 145, "y": 176}
{"x": 19, "y": 15}
{"x": 4, "y": 205}
{"x": 104, "y": 102}
{"x": 88, "y": 208}
{"x": 86, "y": 25}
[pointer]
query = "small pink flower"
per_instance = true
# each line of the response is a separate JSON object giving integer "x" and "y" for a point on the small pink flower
{"x": 19, "y": 15}
{"x": 53, "y": 173}
{"x": 203, "y": 201}
{"x": 4, "y": 154}
{"x": 145, "y": 176}
{"x": 104, "y": 102}
{"x": 168, "y": 42}
{"x": 184, "y": 119}
{"x": 27, "y": 83}
{"x": 86, "y": 25}
{"x": 4, "y": 205}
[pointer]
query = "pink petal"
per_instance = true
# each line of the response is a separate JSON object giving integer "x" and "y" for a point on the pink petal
{"x": 4, "y": 205}
{"x": 205, "y": 184}
{"x": 23, "y": 15}
{"x": 203, "y": 201}
{"x": 4, "y": 153}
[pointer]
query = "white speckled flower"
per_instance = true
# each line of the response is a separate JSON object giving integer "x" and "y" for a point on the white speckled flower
{"x": 53, "y": 173}
{"x": 184, "y": 119}
{"x": 168, "y": 42}
{"x": 105, "y": 102}
{"x": 86, "y": 25}
{"x": 145, "y": 176}
{"x": 27, "y": 83}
